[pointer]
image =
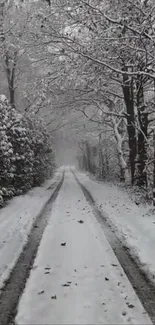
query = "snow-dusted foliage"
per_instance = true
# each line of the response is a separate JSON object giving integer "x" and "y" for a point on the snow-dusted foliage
{"x": 26, "y": 156}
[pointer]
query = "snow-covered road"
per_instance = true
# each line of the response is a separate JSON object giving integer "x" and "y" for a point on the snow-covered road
{"x": 16, "y": 221}
{"x": 134, "y": 224}
{"x": 76, "y": 278}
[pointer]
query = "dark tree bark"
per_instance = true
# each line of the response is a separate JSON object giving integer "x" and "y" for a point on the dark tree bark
{"x": 154, "y": 168}
{"x": 9, "y": 67}
{"x": 101, "y": 163}
{"x": 142, "y": 136}
{"x": 129, "y": 102}
{"x": 10, "y": 73}
{"x": 106, "y": 163}
{"x": 88, "y": 155}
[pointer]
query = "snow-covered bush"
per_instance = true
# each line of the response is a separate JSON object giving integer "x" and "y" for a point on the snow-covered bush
{"x": 6, "y": 151}
{"x": 22, "y": 164}
{"x": 26, "y": 155}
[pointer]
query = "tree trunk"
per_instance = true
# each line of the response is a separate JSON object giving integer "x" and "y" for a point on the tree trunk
{"x": 119, "y": 141}
{"x": 142, "y": 137}
{"x": 12, "y": 96}
{"x": 2, "y": 38}
{"x": 88, "y": 157}
{"x": 154, "y": 168}
{"x": 10, "y": 72}
{"x": 129, "y": 102}
{"x": 101, "y": 164}
{"x": 106, "y": 162}
{"x": 9, "y": 68}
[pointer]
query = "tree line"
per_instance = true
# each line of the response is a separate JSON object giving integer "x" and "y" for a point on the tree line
{"x": 98, "y": 61}
{"x": 107, "y": 50}
{"x": 26, "y": 153}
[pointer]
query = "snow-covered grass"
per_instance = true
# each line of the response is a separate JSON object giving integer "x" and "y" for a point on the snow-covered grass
{"x": 16, "y": 221}
{"x": 76, "y": 278}
{"x": 134, "y": 224}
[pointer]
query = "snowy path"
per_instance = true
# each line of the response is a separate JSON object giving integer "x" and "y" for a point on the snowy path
{"x": 134, "y": 225}
{"x": 16, "y": 221}
{"x": 80, "y": 282}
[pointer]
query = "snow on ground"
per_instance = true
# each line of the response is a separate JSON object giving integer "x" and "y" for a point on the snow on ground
{"x": 135, "y": 224}
{"x": 16, "y": 220}
{"x": 76, "y": 278}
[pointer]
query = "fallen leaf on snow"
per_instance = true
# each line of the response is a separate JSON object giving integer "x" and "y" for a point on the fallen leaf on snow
{"x": 124, "y": 313}
{"x": 41, "y": 292}
{"x": 63, "y": 244}
{"x": 130, "y": 305}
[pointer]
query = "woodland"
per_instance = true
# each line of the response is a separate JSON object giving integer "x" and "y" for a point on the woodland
{"x": 84, "y": 70}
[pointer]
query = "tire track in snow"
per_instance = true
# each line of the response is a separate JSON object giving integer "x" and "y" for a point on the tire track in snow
{"x": 15, "y": 285}
{"x": 143, "y": 287}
